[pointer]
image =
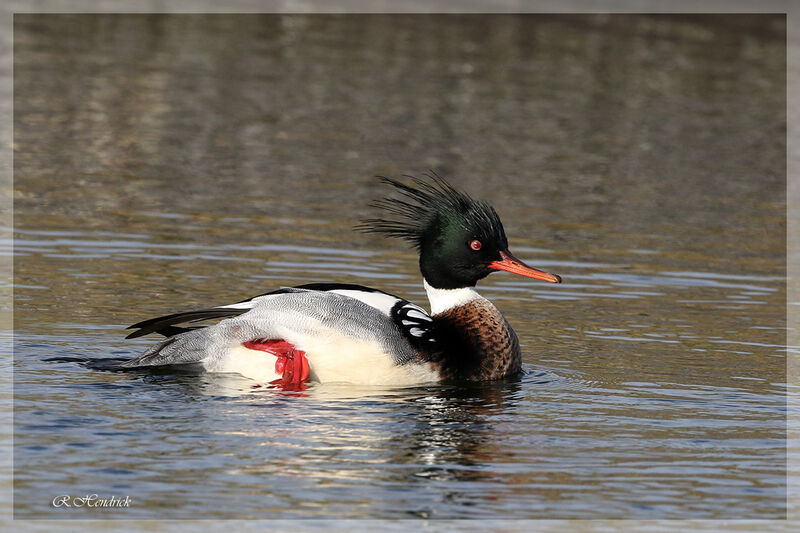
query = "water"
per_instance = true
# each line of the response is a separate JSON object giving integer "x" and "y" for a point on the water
{"x": 164, "y": 163}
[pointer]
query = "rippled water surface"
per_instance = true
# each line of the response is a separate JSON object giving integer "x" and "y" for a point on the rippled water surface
{"x": 164, "y": 163}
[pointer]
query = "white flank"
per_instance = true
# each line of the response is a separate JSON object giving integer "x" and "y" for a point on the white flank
{"x": 332, "y": 358}
{"x": 253, "y": 364}
{"x": 445, "y": 299}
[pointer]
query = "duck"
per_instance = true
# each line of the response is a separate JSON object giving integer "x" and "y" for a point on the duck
{"x": 342, "y": 332}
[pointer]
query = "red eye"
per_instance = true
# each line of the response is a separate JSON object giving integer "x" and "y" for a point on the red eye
{"x": 475, "y": 245}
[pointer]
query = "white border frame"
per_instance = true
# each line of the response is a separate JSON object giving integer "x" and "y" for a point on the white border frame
{"x": 9, "y": 7}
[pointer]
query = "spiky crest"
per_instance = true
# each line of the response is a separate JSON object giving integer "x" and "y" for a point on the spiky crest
{"x": 428, "y": 202}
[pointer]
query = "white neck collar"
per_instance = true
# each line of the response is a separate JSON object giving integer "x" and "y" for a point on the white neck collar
{"x": 444, "y": 299}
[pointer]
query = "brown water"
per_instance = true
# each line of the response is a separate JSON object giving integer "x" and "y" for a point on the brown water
{"x": 168, "y": 162}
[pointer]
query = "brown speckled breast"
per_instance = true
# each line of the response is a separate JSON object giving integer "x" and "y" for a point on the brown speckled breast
{"x": 478, "y": 343}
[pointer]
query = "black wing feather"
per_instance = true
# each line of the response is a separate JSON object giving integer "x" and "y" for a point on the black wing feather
{"x": 165, "y": 324}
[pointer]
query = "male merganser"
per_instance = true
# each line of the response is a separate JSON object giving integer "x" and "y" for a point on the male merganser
{"x": 343, "y": 332}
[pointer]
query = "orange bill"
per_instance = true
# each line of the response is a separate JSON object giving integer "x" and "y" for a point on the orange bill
{"x": 509, "y": 263}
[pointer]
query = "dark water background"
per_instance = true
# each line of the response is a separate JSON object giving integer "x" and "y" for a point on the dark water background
{"x": 168, "y": 162}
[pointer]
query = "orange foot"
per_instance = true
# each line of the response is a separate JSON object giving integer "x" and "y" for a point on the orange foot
{"x": 291, "y": 363}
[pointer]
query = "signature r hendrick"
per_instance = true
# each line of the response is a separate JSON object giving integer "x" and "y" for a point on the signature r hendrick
{"x": 90, "y": 501}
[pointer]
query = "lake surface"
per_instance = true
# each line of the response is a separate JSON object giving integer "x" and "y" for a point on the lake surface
{"x": 164, "y": 163}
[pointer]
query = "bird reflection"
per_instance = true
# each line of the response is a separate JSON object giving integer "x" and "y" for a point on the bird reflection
{"x": 454, "y": 429}
{"x": 438, "y": 432}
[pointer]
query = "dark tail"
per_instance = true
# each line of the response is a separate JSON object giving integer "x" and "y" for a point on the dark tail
{"x": 165, "y": 325}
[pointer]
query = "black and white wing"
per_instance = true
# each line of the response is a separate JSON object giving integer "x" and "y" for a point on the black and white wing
{"x": 413, "y": 321}
{"x": 166, "y": 325}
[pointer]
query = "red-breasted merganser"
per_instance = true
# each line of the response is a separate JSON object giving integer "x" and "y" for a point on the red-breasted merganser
{"x": 341, "y": 332}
